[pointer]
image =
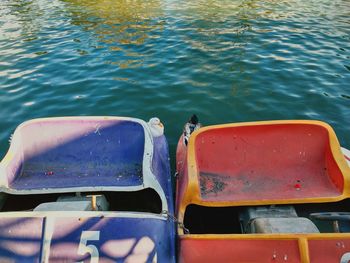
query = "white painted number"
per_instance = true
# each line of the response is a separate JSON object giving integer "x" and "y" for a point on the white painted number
{"x": 345, "y": 258}
{"x": 140, "y": 252}
{"x": 91, "y": 249}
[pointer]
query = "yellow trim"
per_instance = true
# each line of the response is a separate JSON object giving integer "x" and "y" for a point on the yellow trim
{"x": 8, "y": 157}
{"x": 192, "y": 193}
{"x": 304, "y": 250}
{"x": 315, "y": 236}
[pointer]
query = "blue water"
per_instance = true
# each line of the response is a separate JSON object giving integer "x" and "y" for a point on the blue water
{"x": 227, "y": 61}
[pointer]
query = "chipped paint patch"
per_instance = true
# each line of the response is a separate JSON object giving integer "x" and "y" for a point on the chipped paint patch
{"x": 211, "y": 183}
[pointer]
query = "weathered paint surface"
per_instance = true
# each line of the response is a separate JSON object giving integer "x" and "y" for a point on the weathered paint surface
{"x": 77, "y": 238}
{"x": 21, "y": 239}
{"x": 87, "y": 153}
{"x": 278, "y": 162}
{"x": 112, "y": 239}
{"x": 327, "y": 248}
{"x": 239, "y": 250}
{"x": 161, "y": 169}
{"x": 79, "y": 153}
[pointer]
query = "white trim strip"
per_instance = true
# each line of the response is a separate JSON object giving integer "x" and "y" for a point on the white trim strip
{"x": 85, "y": 214}
{"x": 346, "y": 153}
{"x": 48, "y": 232}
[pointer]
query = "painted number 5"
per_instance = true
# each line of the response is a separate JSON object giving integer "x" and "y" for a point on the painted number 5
{"x": 91, "y": 249}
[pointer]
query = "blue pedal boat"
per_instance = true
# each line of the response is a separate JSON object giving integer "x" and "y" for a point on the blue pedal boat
{"x": 87, "y": 189}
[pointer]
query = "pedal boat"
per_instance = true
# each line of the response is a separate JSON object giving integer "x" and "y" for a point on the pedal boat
{"x": 272, "y": 191}
{"x": 86, "y": 189}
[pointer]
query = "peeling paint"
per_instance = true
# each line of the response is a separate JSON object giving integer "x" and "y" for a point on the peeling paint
{"x": 211, "y": 183}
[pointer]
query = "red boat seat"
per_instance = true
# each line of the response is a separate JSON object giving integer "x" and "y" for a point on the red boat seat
{"x": 268, "y": 162}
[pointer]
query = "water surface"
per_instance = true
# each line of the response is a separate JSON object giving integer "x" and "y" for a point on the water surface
{"x": 227, "y": 61}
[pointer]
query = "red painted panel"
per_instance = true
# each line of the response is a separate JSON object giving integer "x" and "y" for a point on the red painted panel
{"x": 329, "y": 250}
{"x": 283, "y": 161}
{"x": 238, "y": 250}
{"x": 181, "y": 168}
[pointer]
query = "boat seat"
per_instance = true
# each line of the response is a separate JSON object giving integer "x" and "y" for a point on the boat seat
{"x": 101, "y": 201}
{"x": 283, "y": 225}
{"x": 74, "y": 203}
{"x": 65, "y": 206}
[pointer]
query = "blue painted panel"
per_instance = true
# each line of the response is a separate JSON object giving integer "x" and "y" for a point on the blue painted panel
{"x": 20, "y": 239}
{"x": 161, "y": 168}
{"x": 112, "y": 240}
{"x": 108, "y": 156}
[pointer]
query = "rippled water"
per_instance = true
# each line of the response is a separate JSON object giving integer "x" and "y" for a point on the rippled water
{"x": 227, "y": 61}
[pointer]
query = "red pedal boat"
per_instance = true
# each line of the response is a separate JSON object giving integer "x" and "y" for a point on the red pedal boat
{"x": 273, "y": 191}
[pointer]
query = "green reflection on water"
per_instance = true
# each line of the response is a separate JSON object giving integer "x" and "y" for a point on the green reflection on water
{"x": 117, "y": 25}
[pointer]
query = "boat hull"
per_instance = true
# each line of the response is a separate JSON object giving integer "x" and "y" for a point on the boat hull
{"x": 327, "y": 248}
{"x": 75, "y": 237}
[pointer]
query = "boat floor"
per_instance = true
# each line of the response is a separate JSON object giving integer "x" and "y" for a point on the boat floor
{"x": 252, "y": 185}
{"x": 43, "y": 175}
